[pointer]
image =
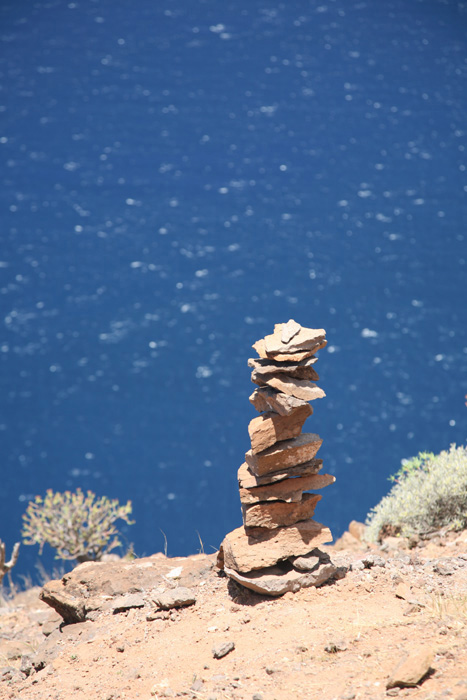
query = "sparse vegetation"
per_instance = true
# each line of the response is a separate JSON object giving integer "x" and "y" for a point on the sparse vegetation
{"x": 430, "y": 492}
{"x": 77, "y": 526}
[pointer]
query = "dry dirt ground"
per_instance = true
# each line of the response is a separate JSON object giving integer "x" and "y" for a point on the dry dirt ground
{"x": 342, "y": 640}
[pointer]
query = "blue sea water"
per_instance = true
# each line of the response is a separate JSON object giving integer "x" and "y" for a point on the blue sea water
{"x": 179, "y": 176}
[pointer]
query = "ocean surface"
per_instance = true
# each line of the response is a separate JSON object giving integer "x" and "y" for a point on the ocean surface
{"x": 176, "y": 178}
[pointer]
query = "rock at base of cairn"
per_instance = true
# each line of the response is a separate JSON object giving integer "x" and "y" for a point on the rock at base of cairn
{"x": 284, "y": 577}
{"x": 276, "y": 549}
{"x": 244, "y": 553}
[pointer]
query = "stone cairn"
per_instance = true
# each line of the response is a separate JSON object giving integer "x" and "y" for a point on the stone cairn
{"x": 276, "y": 549}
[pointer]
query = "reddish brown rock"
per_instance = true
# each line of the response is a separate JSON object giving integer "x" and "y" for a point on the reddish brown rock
{"x": 411, "y": 669}
{"x": 259, "y": 399}
{"x": 278, "y": 514}
{"x": 299, "y": 370}
{"x": 243, "y": 553}
{"x": 248, "y": 480}
{"x": 287, "y": 490}
{"x": 268, "y": 399}
{"x": 299, "y": 388}
{"x": 271, "y": 427}
{"x": 260, "y": 348}
{"x": 282, "y": 455}
{"x": 304, "y": 339}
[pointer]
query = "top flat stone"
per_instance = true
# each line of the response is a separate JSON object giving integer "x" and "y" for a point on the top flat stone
{"x": 303, "y": 339}
{"x": 289, "y": 330}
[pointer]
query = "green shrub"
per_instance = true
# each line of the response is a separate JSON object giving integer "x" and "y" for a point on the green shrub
{"x": 77, "y": 526}
{"x": 430, "y": 493}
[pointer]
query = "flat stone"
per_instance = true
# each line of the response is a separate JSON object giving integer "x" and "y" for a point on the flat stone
{"x": 287, "y": 453}
{"x": 277, "y": 580}
{"x": 244, "y": 553}
{"x": 127, "y": 601}
{"x": 287, "y": 490}
{"x": 277, "y": 513}
{"x": 299, "y": 370}
{"x": 289, "y": 330}
{"x": 260, "y": 348}
{"x": 175, "y": 598}
{"x": 268, "y": 399}
{"x": 298, "y": 388}
{"x": 270, "y": 427}
{"x": 304, "y": 339}
{"x": 248, "y": 480}
{"x": 411, "y": 669}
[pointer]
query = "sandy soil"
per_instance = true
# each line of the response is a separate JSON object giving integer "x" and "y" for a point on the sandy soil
{"x": 342, "y": 640}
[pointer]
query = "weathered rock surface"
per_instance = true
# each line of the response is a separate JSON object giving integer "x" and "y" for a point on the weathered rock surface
{"x": 287, "y": 490}
{"x": 248, "y": 480}
{"x": 221, "y": 650}
{"x": 267, "y": 399}
{"x": 95, "y": 587}
{"x": 175, "y": 598}
{"x": 412, "y": 668}
{"x": 298, "y": 388}
{"x": 287, "y": 453}
{"x": 282, "y": 578}
{"x": 244, "y": 554}
{"x": 304, "y": 339}
{"x": 299, "y": 370}
{"x": 260, "y": 348}
{"x": 289, "y": 330}
{"x": 278, "y": 513}
{"x": 70, "y": 607}
{"x": 270, "y": 427}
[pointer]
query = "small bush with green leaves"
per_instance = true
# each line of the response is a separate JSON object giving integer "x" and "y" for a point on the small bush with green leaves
{"x": 430, "y": 493}
{"x": 76, "y": 525}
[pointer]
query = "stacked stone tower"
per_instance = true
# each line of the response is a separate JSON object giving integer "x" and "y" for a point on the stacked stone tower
{"x": 276, "y": 548}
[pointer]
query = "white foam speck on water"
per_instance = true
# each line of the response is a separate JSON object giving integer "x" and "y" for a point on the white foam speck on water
{"x": 368, "y": 333}
{"x": 203, "y": 372}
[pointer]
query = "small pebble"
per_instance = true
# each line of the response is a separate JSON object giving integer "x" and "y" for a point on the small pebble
{"x": 222, "y": 650}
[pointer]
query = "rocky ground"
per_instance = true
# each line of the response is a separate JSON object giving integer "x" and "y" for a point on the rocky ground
{"x": 142, "y": 634}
